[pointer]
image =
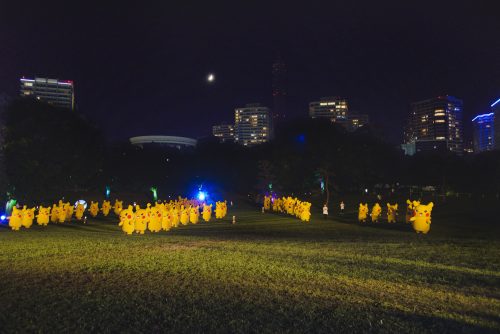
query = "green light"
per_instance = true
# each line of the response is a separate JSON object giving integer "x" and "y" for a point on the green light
{"x": 108, "y": 191}
{"x": 155, "y": 193}
{"x": 9, "y": 205}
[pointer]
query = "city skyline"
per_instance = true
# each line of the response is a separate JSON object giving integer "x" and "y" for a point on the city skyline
{"x": 145, "y": 77}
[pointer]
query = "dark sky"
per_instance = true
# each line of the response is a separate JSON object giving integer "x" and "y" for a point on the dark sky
{"x": 141, "y": 68}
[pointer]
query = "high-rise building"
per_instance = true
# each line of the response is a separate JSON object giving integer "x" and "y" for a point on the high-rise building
{"x": 223, "y": 132}
{"x": 334, "y": 108}
{"x": 58, "y": 93}
{"x": 483, "y": 132}
{"x": 495, "y": 107}
{"x": 279, "y": 90}
{"x": 436, "y": 125}
{"x": 252, "y": 125}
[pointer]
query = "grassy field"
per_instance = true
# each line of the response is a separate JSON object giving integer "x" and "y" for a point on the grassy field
{"x": 267, "y": 273}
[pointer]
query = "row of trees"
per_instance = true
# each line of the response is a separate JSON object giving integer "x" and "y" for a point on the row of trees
{"x": 49, "y": 152}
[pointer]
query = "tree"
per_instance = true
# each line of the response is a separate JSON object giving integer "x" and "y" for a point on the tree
{"x": 49, "y": 151}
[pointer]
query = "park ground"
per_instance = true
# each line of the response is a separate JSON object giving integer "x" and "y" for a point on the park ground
{"x": 267, "y": 273}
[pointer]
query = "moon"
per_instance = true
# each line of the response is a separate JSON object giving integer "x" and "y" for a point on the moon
{"x": 211, "y": 77}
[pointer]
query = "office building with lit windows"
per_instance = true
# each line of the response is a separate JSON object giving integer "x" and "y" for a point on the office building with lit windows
{"x": 335, "y": 109}
{"x": 53, "y": 91}
{"x": 495, "y": 108}
{"x": 252, "y": 125}
{"x": 436, "y": 125}
{"x": 223, "y": 132}
{"x": 483, "y": 133}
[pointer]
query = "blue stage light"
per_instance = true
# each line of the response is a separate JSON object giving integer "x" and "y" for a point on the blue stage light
{"x": 202, "y": 195}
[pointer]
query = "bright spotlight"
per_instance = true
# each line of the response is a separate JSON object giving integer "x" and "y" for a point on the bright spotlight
{"x": 2, "y": 217}
{"x": 202, "y": 195}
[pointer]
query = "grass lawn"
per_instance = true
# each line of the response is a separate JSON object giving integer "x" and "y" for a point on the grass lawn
{"x": 267, "y": 273}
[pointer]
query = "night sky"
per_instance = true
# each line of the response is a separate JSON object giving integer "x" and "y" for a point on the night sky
{"x": 141, "y": 69}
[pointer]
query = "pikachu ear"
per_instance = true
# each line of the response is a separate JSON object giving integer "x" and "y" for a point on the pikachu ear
{"x": 431, "y": 205}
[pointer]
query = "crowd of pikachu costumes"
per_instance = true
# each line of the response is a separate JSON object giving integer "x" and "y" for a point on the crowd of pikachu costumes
{"x": 421, "y": 221}
{"x": 290, "y": 206}
{"x": 161, "y": 216}
{"x": 392, "y": 212}
{"x": 376, "y": 212}
{"x": 363, "y": 212}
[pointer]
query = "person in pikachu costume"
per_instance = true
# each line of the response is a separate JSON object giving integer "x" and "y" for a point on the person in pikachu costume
{"x": 69, "y": 211}
{"x": 141, "y": 216}
{"x": 94, "y": 208}
{"x": 305, "y": 215}
{"x": 117, "y": 207}
{"x": 267, "y": 203}
{"x": 43, "y": 216}
{"x": 363, "y": 212}
{"x": 106, "y": 207}
{"x": 166, "y": 220}
{"x": 61, "y": 213}
{"x": 155, "y": 219}
{"x": 207, "y": 212}
{"x": 194, "y": 214}
{"x": 422, "y": 219}
{"x": 127, "y": 220}
{"x": 376, "y": 212}
{"x": 174, "y": 216}
{"x": 80, "y": 209}
{"x": 15, "y": 219}
{"x": 218, "y": 210}
{"x": 54, "y": 216}
{"x": 27, "y": 217}
{"x": 392, "y": 212}
{"x": 184, "y": 215}
{"x": 410, "y": 209}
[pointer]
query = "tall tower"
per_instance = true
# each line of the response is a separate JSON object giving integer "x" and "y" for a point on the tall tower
{"x": 436, "y": 124}
{"x": 251, "y": 125}
{"x": 279, "y": 90}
